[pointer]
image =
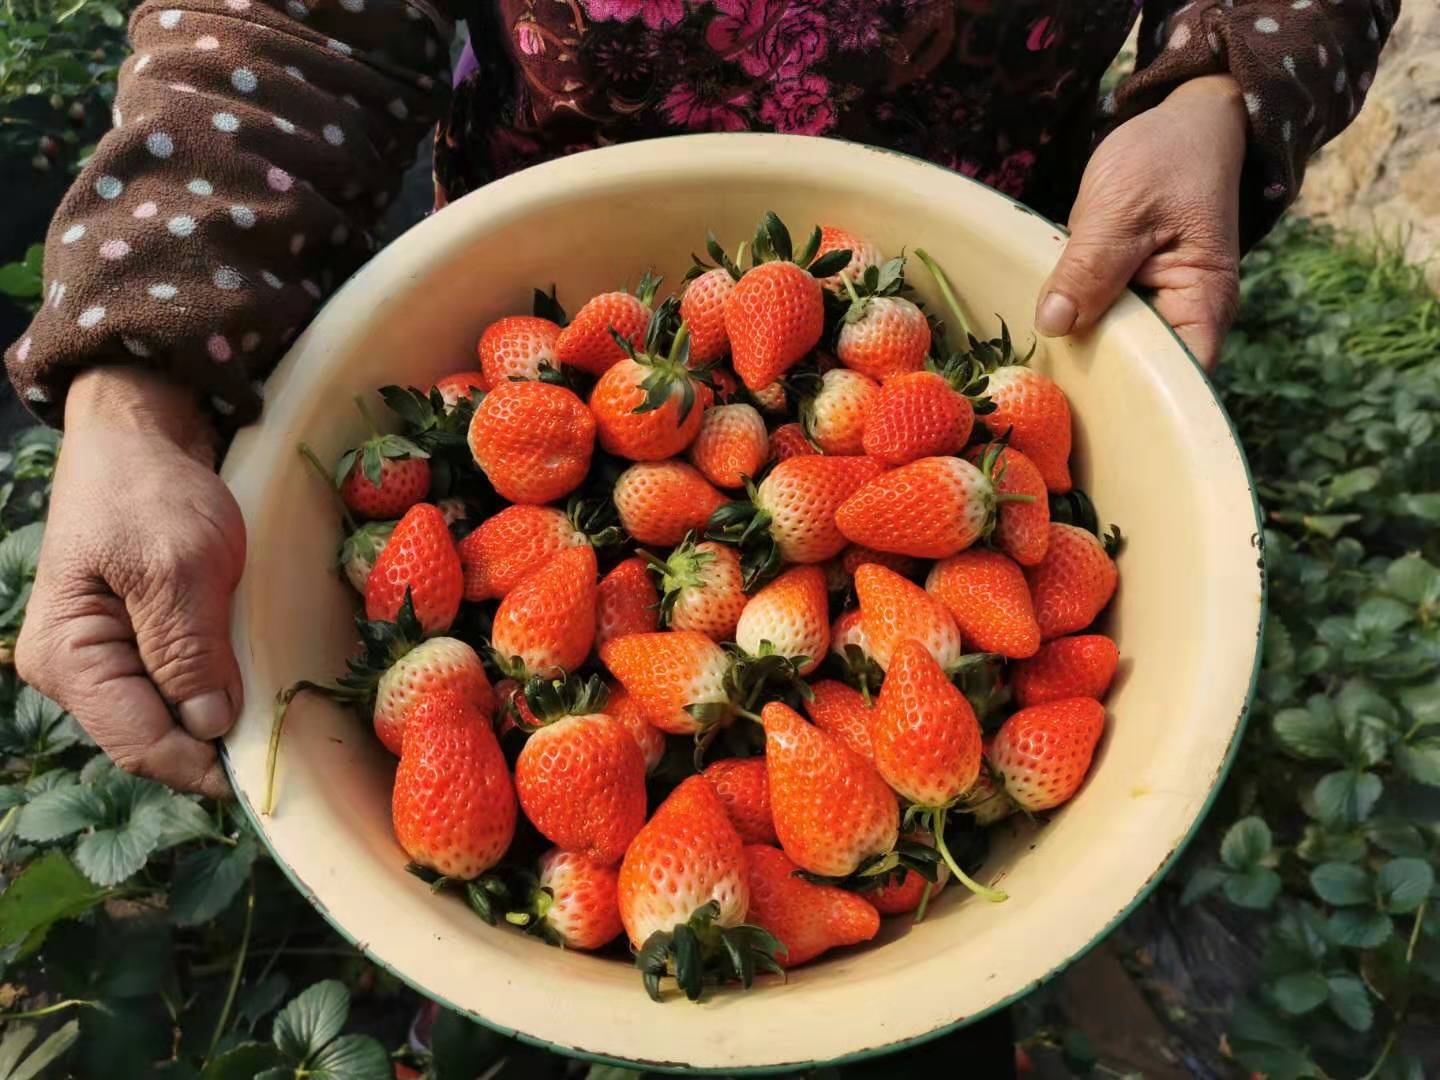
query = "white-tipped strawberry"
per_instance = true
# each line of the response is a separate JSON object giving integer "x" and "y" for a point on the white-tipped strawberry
{"x": 702, "y": 589}
{"x": 834, "y": 414}
{"x": 441, "y": 663}
{"x": 789, "y": 618}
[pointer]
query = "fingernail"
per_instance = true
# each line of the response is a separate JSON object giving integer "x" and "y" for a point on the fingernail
{"x": 208, "y": 716}
{"x": 1055, "y": 315}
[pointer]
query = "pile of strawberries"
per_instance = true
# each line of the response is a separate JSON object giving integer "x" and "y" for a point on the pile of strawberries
{"x": 608, "y": 576}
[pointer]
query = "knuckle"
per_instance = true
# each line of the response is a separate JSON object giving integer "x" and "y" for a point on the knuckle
{"x": 180, "y": 660}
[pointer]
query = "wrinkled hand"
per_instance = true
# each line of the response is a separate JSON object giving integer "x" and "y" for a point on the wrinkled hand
{"x": 128, "y": 625}
{"x": 1159, "y": 205}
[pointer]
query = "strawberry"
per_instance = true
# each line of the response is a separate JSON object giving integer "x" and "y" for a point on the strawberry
{"x": 360, "y": 550}
{"x": 856, "y": 556}
{"x": 645, "y": 404}
{"x": 986, "y": 802}
{"x": 702, "y": 306}
{"x": 848, "y": 645}
{"x": 842, "y": 712}
{"x": 678, "y": 678}
{"x": 683, "y": 892}
{"x": 453, "y": 805}
{"x": 660, "y": 501}
{"x": 513, "y": 544}
{"x": 772, "y": 399}
{"x": 790, "y": 516}
{"x": 1072, "y": 584}
{"x": 441, "y": 663}
{"x": 546, "y": 624}
{"x": 921, "y": 414}
{"x": 1080, "y": 666}
{"x": 789, "y": 617}
{"x": 834, "y": 414}
{"x": 731, "y": 445}
{"x": 384, "y": 476}
{"x": 743, "y": 785}
{"x": 890, "y": 337}
{"x": 589, "y": 342}
{"x": 702, "y": 589}
{"x": 576, "y": 902}
{"x": 930, "y": 509}
{"x": 420, "y": 559}
{"x": 622, "y": 708}
{"x": 532, "y": 440}
{"x": 1036, "y": 413}
{"x": 726, "y": 390}
{"x": 519, "y": 347}
{"x": 894, "y": 609}
{"x": 986, "y": 593}
{"x": 807, "y": 919}
{"x": 927, "y": 744}
{"x": 863, "y": 254}
{"x": 831, "y": 808}
{"x": 581, "y": 776}
{"x": 1022, "y": 529}
{"x": 908, "y": 890}
{"x": 626, "y": 602}
{"x": 1043, "y": 752}
{"x": 457, "y": 387}
{"x": 790, "y": 440}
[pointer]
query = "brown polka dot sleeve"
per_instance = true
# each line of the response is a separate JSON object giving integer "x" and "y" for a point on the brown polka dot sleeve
{"x": 254, "y": 145}
{"x": 1303, "y": 65}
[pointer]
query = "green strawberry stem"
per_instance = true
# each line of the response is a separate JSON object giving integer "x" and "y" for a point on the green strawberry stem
{"x": 1014, "y": 497}
{"x": 277, "y": 725}
{"x": 367, "y": 415}
{"x": 924, "y": 901}
{"x": 330, "y": 481}
{"x": 682, "y": 338}
{"x": 951, "y": 300}
{"x": 937, "y": 827}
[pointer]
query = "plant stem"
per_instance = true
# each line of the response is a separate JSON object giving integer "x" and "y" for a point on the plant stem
{"x": 995, "y": 896}
{"x": 365, "y": 414}
{"x": 59, "y": 1006}
{"x": 309, "y": 455}
{"x": 951, "y": 300}
{"x": 235, "y": 974}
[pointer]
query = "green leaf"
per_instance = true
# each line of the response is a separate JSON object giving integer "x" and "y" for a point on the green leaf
{"x": 179, "y": 819}
{"x": 1420, "y": 761}
{"x": 1202, "y": 883}
{"x": 18, "y": 1038}
{"x": 1382, "y": 615}
{"x": 1300, "y": 992}
{"x": 1425, "y": 506}
{"x": 1255, "y": 888}
{"x": 312, "y": 1019}
{"x": 1341, "y": 884}
{"x": 352, "y": 1057}
{"x": 244, "y": 1062}
{"x": 37, "y": 727}
{"x": 59, "y": 813}
{"x": 19, "y": 281}
{"x": 1346, "y": 797}
{"x": 1422, "y": 703}
{"x": 1347, "y": 485}
{"x": 261, "y": 999}
{"x": 1246, "y": 843}
{"x": 207, "y": 880}
{"x": 109, "y": 856}
{"x": 1358, "y": 928}
{"x": 1413, "y": 580}
{"x": 1309, "y": 733}
{"x": 461, "y": 1048}
{"x": 1350, "y": 1001}
{"x": 48, "y": 890}
{"x": 1404, "y": 884}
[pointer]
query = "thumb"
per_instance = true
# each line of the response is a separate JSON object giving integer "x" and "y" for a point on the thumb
{"x": 1105, "y": 249}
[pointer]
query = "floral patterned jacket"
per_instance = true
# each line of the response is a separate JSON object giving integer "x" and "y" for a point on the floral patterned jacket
{"x": 257, "y": 141}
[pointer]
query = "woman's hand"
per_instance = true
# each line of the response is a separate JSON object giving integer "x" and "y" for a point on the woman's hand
{"x": 1159, "y": 205}
{"x": 128, "y": 626}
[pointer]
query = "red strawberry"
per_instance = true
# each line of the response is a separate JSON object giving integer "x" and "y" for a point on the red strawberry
{"x": 518, "y": 347}
{"x": 702, "y": 589}
{"x": 930, "y": 508}
{"x": 546, "y": 624}
{"x": 533, "y": 441}
{"x": 1022, "y": 530}
{"x": 577, "y": 900}
{"x": 773, "y": 316}
{"x": 841, "y": 711}
{"x": 420, "y": 557}
{"x": 835, "y": 415}
{"x": 789, "y": 617}
{"x": 855, "y": 556}
{"x": 1072, "y": 584}
{"x": 660, "y": 501}
{"x": 887, "y": 335}
{"x": 848, "y": 646}
{"x": 453, "y": 805}
{"x": 986, "y": 593}
{"x": 790, "y": 440}
{"x": 384, "y": 476}
{"x": 670, "y": 674}
{"x": 622, "y": 708}
{"x": 894, "y": 609}
{"x": 455, "y": 388}
{"x": 920, "y": 414}
{"x": 807, "y": 919}
{"x": 626, "y": 602}
{"x": 863, "y": 254}
{"x": 588, "y": 344}
{"x": 906, "y": 890}
{"x": 513, "y": 544}
{"x": 647, "y": 405}
{"x": 1067, "y": 667}
{"x": 743, "y": 785}
{"x": 831, "y": 808}
{"x": 683, "y": 893}
{"x": 797, "y": 502}
{"x": 702, "y": 307}
{"x": 772, "y": 399}
{"x": 581, "y": 781}
{"x": 731, "y": 445}
{"x": 360, "y": 550}
{"x": 1043, "y": 752}
{"x": 441, "y": 663}
{"x": 1036, "y": 413}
